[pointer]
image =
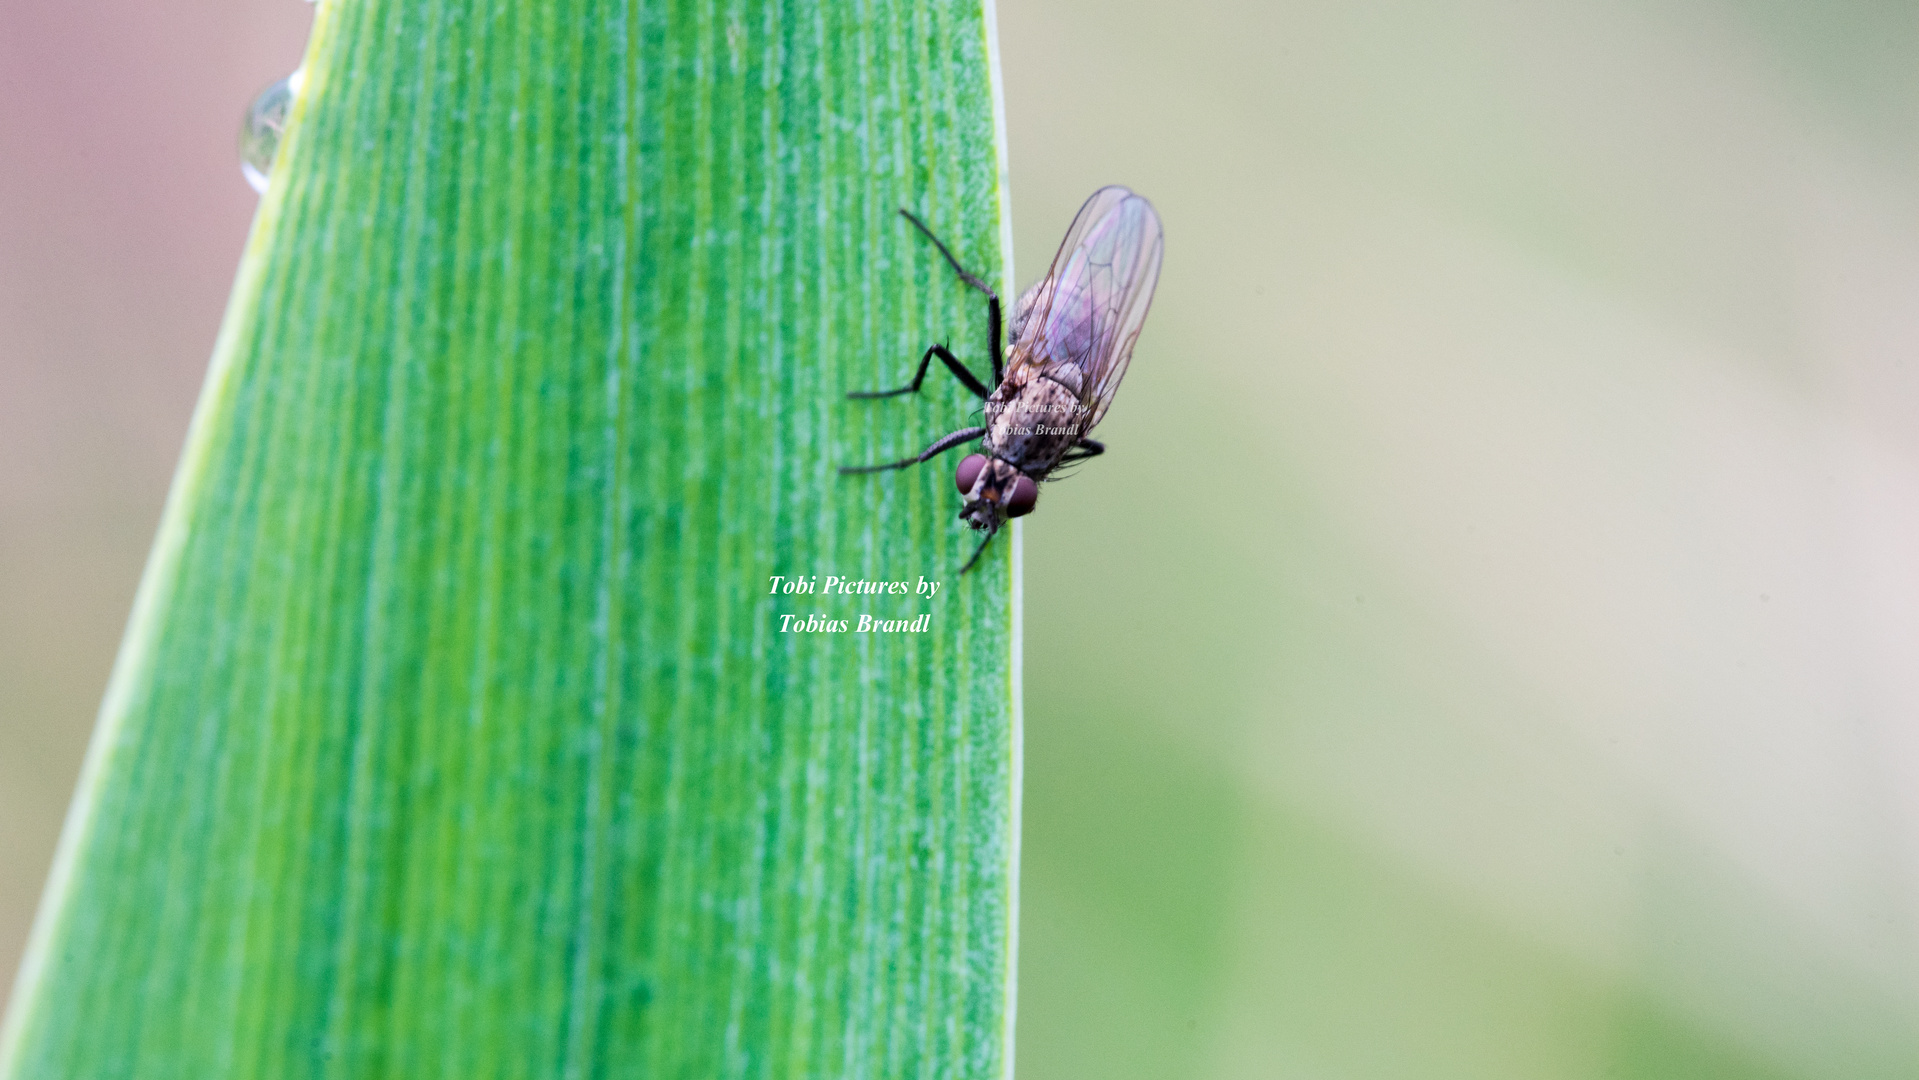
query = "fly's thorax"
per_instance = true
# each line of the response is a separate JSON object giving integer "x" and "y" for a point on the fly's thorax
{"x": 1068, "y": 376}
{"x": 1033, "y": 424}
{"x": 994, "y": 491}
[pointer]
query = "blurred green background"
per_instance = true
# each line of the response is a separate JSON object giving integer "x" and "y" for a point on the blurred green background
{"x": 1491, "y": 645}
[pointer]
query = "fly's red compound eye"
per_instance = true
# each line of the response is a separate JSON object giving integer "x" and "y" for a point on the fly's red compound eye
{"x": 968, "y": 471}
{"x": 1025, "y": 495}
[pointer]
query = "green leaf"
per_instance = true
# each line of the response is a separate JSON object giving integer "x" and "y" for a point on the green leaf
{"x": 455, "y": 733}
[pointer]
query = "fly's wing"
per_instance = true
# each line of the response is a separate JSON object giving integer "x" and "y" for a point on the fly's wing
{"x": 1089, "y": 309}
{"x": 1030, "y": 311}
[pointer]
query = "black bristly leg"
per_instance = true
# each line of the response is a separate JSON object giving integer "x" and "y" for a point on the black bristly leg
{"x": 978, "y": 551}
{"x": 993, "y": 323}
{"x": 939, "y": 447}
{"x": 1083, "y": 449}
{"x": 953, "y": 364}
{"x": 996, "y": 349}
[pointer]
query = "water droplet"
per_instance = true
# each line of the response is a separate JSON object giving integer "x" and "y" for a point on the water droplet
{"x": 266, "y": 120}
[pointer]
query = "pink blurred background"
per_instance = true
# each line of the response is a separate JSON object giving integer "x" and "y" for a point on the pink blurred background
{"x": 122, "y": 216}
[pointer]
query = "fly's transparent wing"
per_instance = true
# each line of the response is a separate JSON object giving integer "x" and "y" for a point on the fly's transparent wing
{"x": 1030, "y": 311}
{"x": 1089, "y": 309}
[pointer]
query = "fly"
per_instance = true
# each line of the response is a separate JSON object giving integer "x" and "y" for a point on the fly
{"x": 1072, "y": 337}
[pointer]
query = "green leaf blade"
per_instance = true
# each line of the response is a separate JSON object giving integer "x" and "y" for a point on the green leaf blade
{"x": 455, "y": 733}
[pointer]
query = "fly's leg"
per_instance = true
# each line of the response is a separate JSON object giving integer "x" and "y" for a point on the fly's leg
{"x": 963, "y": 435}
{"x": 980, "y": 550}
{"x": 953, "y": 364}
{"x": 1083, "y": 449}
{"x": 994, "y": 348}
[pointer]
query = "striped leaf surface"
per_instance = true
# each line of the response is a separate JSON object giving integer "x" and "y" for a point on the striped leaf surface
{"x": 455, "y": 732}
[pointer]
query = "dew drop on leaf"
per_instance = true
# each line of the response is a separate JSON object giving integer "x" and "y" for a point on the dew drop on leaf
{"x": 260, "y": 133}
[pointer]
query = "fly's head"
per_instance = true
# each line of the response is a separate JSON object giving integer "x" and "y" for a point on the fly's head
{"x": 994, "y": 491}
